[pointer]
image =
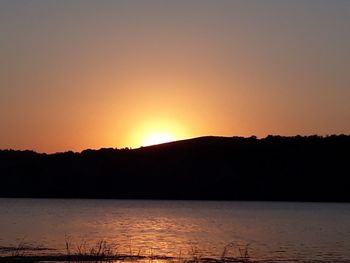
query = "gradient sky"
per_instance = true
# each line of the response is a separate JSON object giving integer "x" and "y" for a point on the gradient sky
{"x": 88, "y": 74}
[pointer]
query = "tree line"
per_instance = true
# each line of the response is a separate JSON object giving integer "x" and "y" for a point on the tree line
{"x": 299, "y": 168}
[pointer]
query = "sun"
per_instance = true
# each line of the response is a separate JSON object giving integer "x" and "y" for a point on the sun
{"x": 157, "y": 131}
{"x": 158, "y": 138}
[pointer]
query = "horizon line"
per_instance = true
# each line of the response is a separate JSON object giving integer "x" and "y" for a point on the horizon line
{"x": 176, "y": 141}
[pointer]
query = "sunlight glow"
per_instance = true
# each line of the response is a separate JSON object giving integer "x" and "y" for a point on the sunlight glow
{"x": 158, "y": 138}
{"x": 156, "y": 131}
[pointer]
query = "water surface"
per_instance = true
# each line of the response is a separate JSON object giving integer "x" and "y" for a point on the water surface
{"x": 278, "y": 230}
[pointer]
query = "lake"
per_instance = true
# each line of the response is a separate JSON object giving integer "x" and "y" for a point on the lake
{"x": 293, "y": 232}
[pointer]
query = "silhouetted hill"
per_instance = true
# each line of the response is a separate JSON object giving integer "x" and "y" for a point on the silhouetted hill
{"x": 297, "y": 168}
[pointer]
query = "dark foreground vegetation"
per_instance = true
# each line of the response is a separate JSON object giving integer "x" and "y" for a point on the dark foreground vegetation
{"x": 297, "y": 168}
{"x": 103, "y": 251}
{"x": 106, "y": 252}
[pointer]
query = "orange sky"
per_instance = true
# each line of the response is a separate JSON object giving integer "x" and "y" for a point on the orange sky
{"x": 90, "y": 74}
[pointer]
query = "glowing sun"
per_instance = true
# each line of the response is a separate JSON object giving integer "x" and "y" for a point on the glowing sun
{"x": 157, "y": 131}
{"x": 158, "y": 138}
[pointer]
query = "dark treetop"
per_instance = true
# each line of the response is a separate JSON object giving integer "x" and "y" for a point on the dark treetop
{"x": 297, "y": 168}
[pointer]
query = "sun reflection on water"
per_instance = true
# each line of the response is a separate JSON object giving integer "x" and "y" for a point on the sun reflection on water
{"x": 180, "y": 229}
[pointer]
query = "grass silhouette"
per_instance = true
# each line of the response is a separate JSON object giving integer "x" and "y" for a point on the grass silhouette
{"x": 102, "y": 251}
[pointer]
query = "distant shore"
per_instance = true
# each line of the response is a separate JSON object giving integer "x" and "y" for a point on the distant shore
{"x": 275, "y": 168}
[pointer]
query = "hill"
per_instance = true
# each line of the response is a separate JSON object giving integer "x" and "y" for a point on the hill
{"x": 311, "y": 168}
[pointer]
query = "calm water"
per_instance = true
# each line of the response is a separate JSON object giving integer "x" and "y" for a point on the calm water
{"x": 298, "y": 231}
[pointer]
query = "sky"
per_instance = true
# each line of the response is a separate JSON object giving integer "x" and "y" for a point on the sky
{"x": 89, "y": 74}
